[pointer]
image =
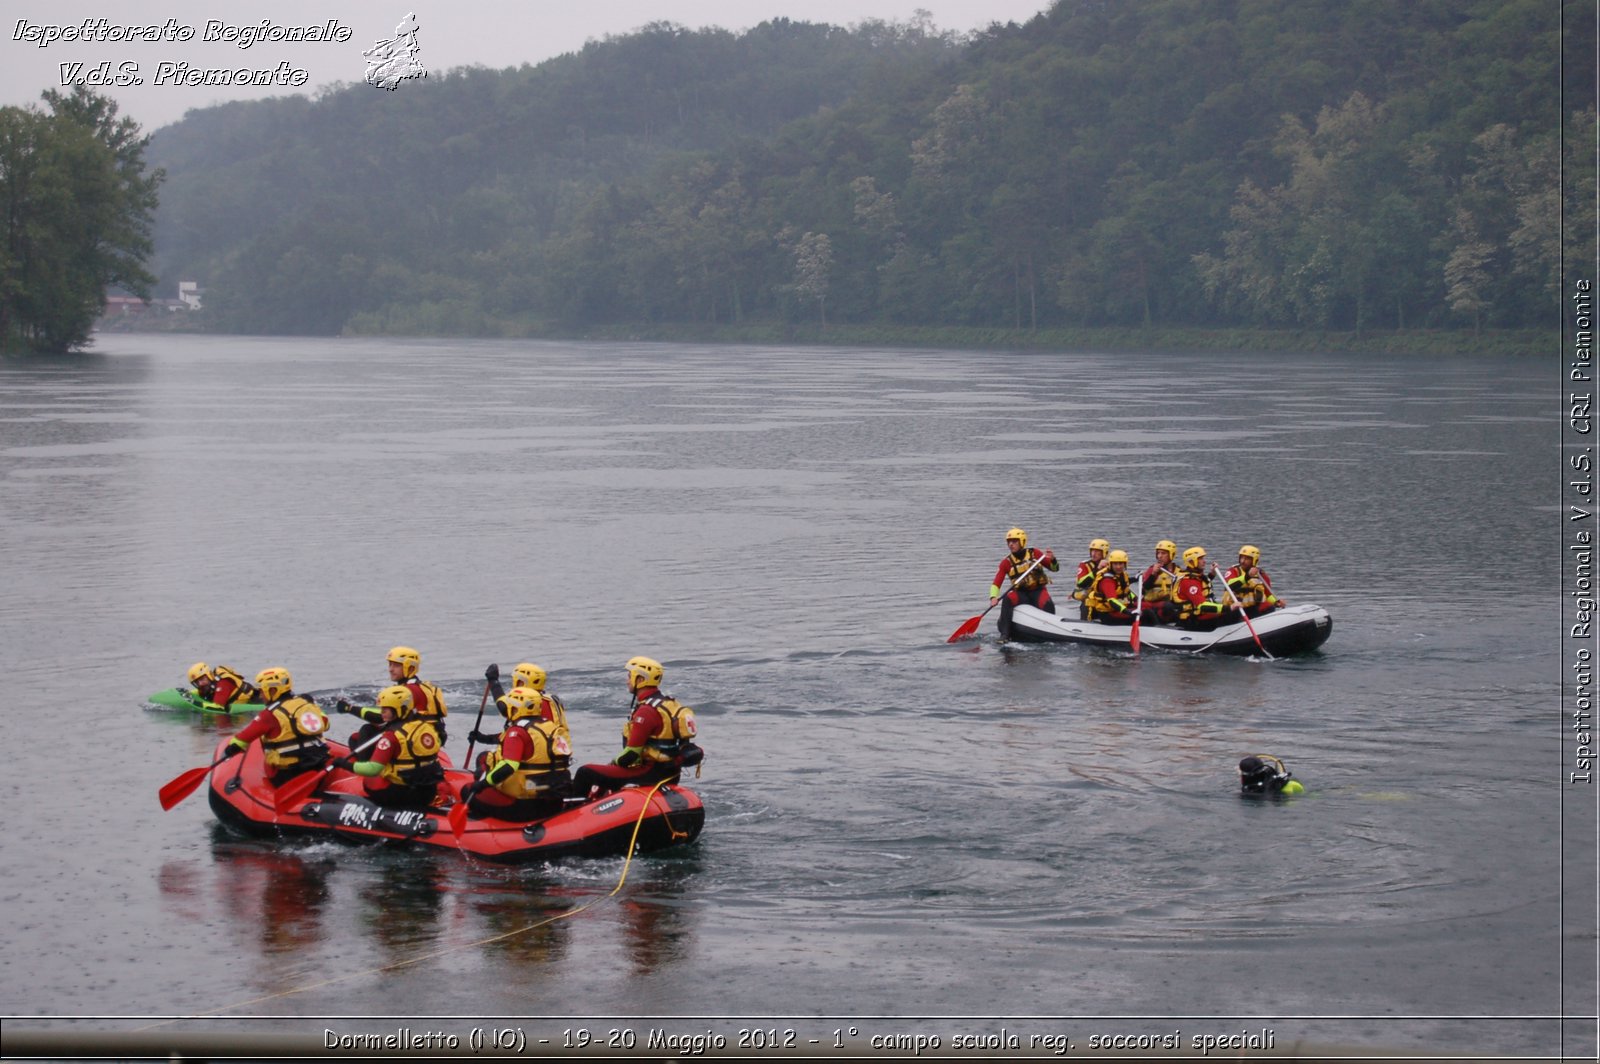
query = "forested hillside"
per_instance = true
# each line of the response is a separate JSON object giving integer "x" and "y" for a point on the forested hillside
{"x": 1327, "y": 164}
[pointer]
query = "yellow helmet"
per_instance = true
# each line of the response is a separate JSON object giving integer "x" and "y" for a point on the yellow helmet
{"x": 528, "y": 675}
{"x": 408, "y": 660}
{"x": 199, "y": 670}
{"x": 1170, "y": 547}
{"x": 398, "y": 699}
{"x": 1018, "y": 534}
{"x": 643, "y": 672}
{"x": 1194, "y": 556}
{"x": 1117, "y": 556}
{"x": 520, "y": 702}
{"x": 1253, "y": 553}
{"x": 1100, "y": 545}
{"x": 274, "y": 683}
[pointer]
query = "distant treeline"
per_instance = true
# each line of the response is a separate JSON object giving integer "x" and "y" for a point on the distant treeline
{"x": 1289, "y": 164}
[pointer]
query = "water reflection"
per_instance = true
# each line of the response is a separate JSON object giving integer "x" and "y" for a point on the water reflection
{"x": 287, "y": 893}
{"x": 275, "y": 901}
{"x": 657, "y": 934}
{"x": 390, "y": 906}
{"x": 528, "y": 928}
{"x": 401, "y": 908}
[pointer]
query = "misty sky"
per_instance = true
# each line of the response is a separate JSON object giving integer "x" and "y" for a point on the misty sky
{"x": 491, "y": 33}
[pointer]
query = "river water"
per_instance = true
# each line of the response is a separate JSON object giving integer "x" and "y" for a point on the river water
{"x": 905, "y": 838}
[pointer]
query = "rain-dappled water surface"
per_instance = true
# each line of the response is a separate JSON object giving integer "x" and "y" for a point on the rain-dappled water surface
{"x": 897, "y": 827}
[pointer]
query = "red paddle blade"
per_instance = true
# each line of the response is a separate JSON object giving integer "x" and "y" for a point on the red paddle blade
{"x": 458, "y": 819}
{"x": 1133, "y": 639}
{"x": 967, "y": 628}
{"x": 182, "y": 786}
{"x": 296, "y": 790}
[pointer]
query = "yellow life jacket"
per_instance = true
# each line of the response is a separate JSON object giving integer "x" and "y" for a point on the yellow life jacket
{"x": 1251, "y": 585}
{"x": 558, "y": 715}
{"x": 301, "y": 723}
{"x": 243, "y": 691}
{"x": 1037, "y": 578}
{"x": 1158, "y": 585}
{"x": 1115, "y": 599}
{"x": 539, "y": 771}
{"x": 426, "y": 701}
{"x": 417, "y": 761}
{"x": 674, "y": 729}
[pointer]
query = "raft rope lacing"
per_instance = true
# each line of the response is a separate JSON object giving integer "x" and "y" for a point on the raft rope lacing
{"x": 626, "y": 864}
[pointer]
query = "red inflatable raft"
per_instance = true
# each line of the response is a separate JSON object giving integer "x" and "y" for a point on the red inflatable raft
{"x": 242, "y": 799}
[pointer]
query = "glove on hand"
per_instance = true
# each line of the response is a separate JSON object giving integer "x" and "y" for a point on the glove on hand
{"x": 627, "y": 759}
{"x": 234, "y": 748}
{"x": 343, "y": 706}
{"x": 477, "y": 736}
{"x": 343, "y": 762}
{"x": 492, "y": 673}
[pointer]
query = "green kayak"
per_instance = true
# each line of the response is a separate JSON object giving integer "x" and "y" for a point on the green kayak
{"x": 188, "y": 698}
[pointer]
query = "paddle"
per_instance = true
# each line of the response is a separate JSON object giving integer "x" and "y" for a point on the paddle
{"x": 970, "y": 625}
{"x": 180, "y": 787}
{"x": 303, "y": 785}
{"x": 1240, "y": 607}
{"x": 479, "y": 722}
{"x": 458, "y": 813}
{"x": 1138, "y": 615}
{"x": 458, "y": 819}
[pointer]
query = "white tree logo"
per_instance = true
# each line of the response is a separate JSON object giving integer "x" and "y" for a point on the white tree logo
{"x": 392, "y": 61}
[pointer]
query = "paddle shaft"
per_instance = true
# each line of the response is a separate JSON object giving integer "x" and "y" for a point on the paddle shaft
{"x": 1138, "y": 615}
{"x": 294, "y": 790}
{"x": 1017, "y": 580}
{"x": 970, "y": 625}
{"x": 184, "y": 784}
{"x": 1218, "y": 637}
{"x": 479, "y": 722}
{"x": 1242, "y": 613}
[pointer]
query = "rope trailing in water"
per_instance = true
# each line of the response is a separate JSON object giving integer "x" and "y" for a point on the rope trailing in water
{"x": 649, "y": 800}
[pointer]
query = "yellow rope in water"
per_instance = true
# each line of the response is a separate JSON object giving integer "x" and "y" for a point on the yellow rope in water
{"x": 626, "y": 864}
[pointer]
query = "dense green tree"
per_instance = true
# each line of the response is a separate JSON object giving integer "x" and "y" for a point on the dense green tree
{"x": 813, "y": 265}
{"x": 76, "y": 210}
{"x": 1308, "y": 252}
